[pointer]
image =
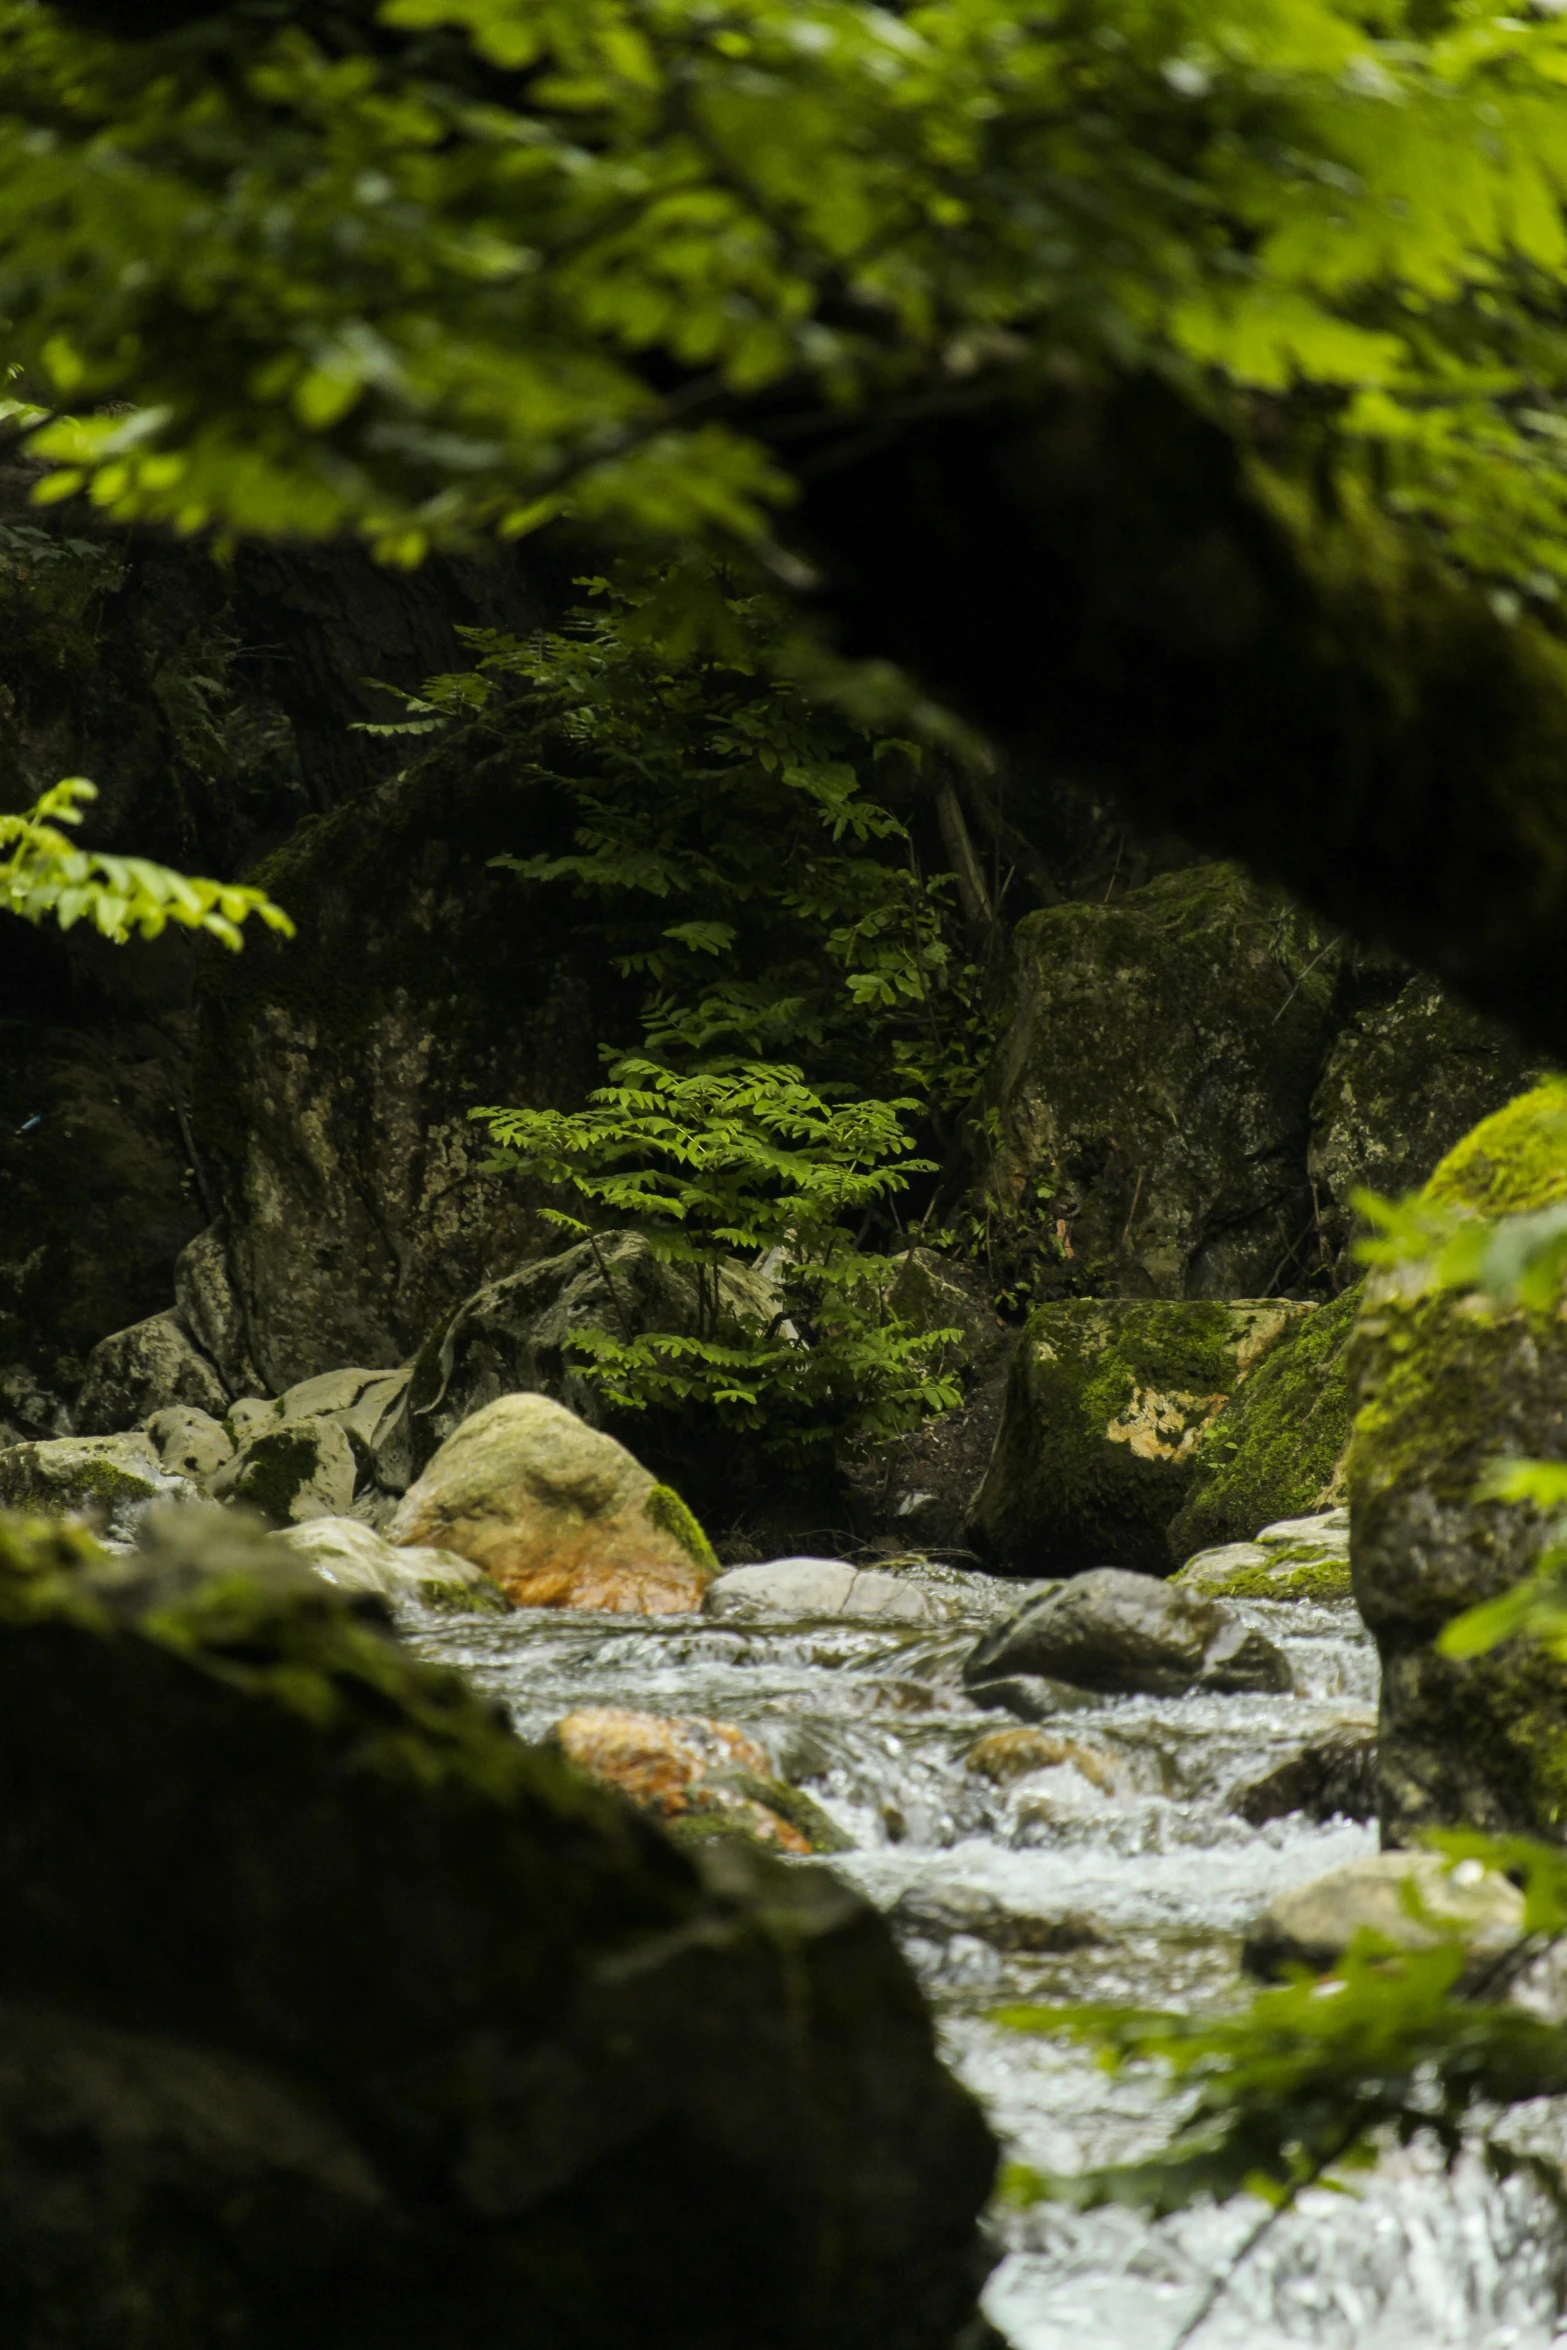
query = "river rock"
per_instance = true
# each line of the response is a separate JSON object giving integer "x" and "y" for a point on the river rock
{"x": 1332, "y": 1777}
{"x": 351, "y": 1555}
{"x": 1312, "y": 1925}
{"x": 1280, "y": 1447}
{"x": 1298, "y": 1558}
{"x": 1004, "y": 1755}
{"x": 558, "y": 1513}
{"x": 1153, "y": 1086}
{"x": 290, "y": 1472}
{"x": 1403, "y": 1084}
{"x": 190, "y": 1444}
{"x": 1106, "y": 1404}
{"x": 514, "y": 1335}
{"x": 1118, "y": 1632}
{"x": 1448, "y": 1385}
{"x": 366, "y": 2023}
{"x": 143, "y": 1370}
{"x": 820, "y": 1587}
{"x": 1030, "y": 1697}
{"x": 109, "y": 1480}
{"x": 699, "y": 1777}
{"x": 937, "y": 1913}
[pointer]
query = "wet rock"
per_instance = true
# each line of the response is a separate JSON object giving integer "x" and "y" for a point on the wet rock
{"x": 1298, "y": 1558}
{"x": 1404, "y": 1083}
{"x": 514, "y": 1335}
{"x": 931, "y": 1913}
{"x": 1280, "y": 1447}
{"x": 1312, "y": 1925}
{"x": 290, "y": 1472}
{"x": 1332, "y": 1777}
{"x": 1032, "y": 1697}
{"x": 1119, "y": 1633}
{"x": 1004, "y": 1755}
{"x": 1107, "y": 1402}
{"x": 1448, "y": 1385}
{"x": 109, "y": 1480}
{"x": 402, "y": 2031}
{"x": 206, "y": 1303}
{"x": 190, "y": 1444}
{"x": 1153, "y": 1090}
{"x": 351, "y": 1555}
{"x": 820, "y": 1587}
{"x": 558, "y": 1513}
{"x": 699, "y": 1777}
{"x": 143, "y": 1370}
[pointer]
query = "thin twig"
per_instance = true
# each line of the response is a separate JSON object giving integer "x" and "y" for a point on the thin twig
{"x": 1131, "y": 1211}
{"x": 1301, "y": 981}
{"x": 614, "y": 1298}
{"x": 1218, "y": 2286}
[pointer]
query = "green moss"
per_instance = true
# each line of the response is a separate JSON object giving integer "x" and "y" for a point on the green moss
{"x": 664, "y": 1509}
{"x": 1276, "y": 1449}
{"x": 87, "y": 1479}
{"x": 280, "y": 1465}
{"x": 1513, "y": 1161}
{"x": 1319, "y": 1578}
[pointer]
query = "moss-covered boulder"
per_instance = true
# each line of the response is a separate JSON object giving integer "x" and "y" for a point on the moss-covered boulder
{"x": 1153, "y": 1090}
{"x": 1447, "y": 1384}
{"x": 291, "y": 1472}
{"x": 134, "y": 1373}
{"x": 697, "y": 1777}
{"x": 109, "y": 1482}
{"x": 334, "y": 2018}
{"x": 1107, "y": 1403}
{"x": 1404, "y": 1083}
{"x": 1279, "y": 1447}
{"x": 1296, "y": 1558}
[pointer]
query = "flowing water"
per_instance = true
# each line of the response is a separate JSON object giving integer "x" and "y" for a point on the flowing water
{"x": 1121, "y": 1872}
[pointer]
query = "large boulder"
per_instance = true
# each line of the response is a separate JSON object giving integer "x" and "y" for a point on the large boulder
{"x": 1153, "y": 1089}
{"x": 331, "y": 2016}
{"x": 1107, "y": 1403}
{"x": 1404, "y": 1082}
{"x": 290, "y": 1473}
{"x": 1449, "y": 1384}
{"x": 1122, "y": 1633}
{"x": 1280, "y": 1447}
{"x": 109, "y": 1481}
{"x": 136, "y": 1372}
{"x": 558, "y": 1513}
{"x": 353, "y": 1557}
{"x": 514, "y": 1335}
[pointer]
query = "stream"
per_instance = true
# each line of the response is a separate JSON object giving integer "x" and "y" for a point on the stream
{"x": 1121, "y": 1873}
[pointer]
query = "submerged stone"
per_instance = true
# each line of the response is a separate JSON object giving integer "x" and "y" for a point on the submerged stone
{"x": 1123, "y": 1633}
{"x": 821, "y": 1587}
{"x": 696, "y": 1776}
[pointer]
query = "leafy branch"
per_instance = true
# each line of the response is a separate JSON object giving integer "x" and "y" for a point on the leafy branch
{"x": 46, "y": 876}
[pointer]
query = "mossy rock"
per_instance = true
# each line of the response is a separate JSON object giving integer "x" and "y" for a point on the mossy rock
{"x": 1278, "y": 1450}
{"x": 501, "y": 2062}
{"x": 1153, "y": 1089}
{"x": 1447, "y": 1384}
{"x": 1298, "y": 1558}
{"x": 1107, "y": 1403}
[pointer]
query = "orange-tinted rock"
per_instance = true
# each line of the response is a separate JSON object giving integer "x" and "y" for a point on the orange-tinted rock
{"x": 1012, "y": 1754}
{"x": 558, "y": 1514}
{"x": 678, "y": 1766}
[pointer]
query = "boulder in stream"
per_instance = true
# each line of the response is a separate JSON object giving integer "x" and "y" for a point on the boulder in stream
{"x": 1107, "y": 1403}
{"x": 352, "y": 1556}
{"x": 696, "y": 1776}
{"x": 1297, "y": 1558}
{"x": 1333, "y": 1776}
{"x": 558, "y": 1513}
{"x": 331, "y": 2015}
{"x": 1412, "y": 1900}
{"x": 1119, "y": 1633}
{"x": 820, "y": 1587}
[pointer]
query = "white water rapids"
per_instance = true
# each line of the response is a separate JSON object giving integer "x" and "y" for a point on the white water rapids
{"x": 1163, "y": 1873}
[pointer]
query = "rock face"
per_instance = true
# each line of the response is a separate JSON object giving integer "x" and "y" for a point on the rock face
{"x": 111, "y": 1480}
{"x": 1107, "y": 1402}
{"x": 353, "y": 1557}
{"x": 1118, "y": 1632}
{"x": 558, "y": 1513}
{"x": 512, "y": 1336}
{"x": 333, "y": 1081}
{"x": 698, "y": 1777}
{"x": 819, "y": 1587}
{"x": 1449, "y": 1386}
{"x": 1154, "y": 1088}
{"x": 369, "y": 2025}
{"x": 1280, "y": 1447}
{"x": 1298, "y": 1558}
{"x": 1313, "y": 1925}
{"x": 1403, "y": 1084}
{"x": 143, "y": 1370}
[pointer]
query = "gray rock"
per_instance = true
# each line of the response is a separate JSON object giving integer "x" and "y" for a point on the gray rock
{"x": 190, "y": 1444}
{"x": 290, "y": 1472}
{"x": 1118, "y": 1632}
{"x": 143, "y": 1370}
{"x": 207, "y": 1304}
{"x": 1313, "y": 1925}
{"x": 1333, "y": 1776}
{"x": 820, "y": 1587}
{"x": 935, "y": 1913}
{"x": 368, "y": 1405}
{"x": 111, "y": 1481}
{"x": 410, "y": 2018}
{"x": 1029, "y": 1697}
{"x": 249, "y": 1415}
{"x": 351, "y": 1556}
{"x": 30, "y": 1409}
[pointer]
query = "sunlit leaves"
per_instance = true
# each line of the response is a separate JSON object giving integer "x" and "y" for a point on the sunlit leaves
{"x": 45, "y": 876}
